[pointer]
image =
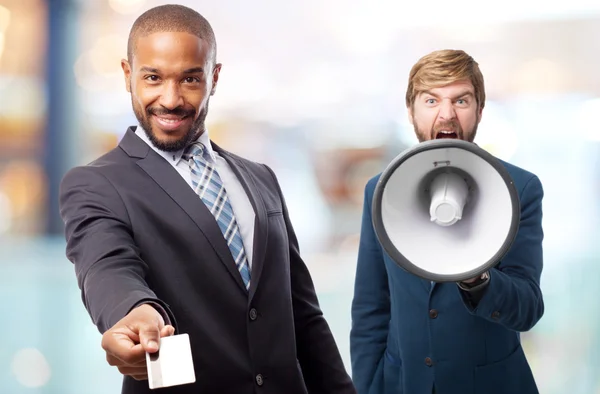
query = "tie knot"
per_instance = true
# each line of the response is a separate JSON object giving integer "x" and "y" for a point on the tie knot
{"x": 196, "y": 150}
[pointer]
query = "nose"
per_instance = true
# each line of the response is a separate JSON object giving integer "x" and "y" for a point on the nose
{"x": 171, "y": 97}
{"x": 447, "y": 110}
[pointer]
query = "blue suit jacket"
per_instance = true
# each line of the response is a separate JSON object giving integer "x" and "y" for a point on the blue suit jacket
{"x": 407, "y": 334}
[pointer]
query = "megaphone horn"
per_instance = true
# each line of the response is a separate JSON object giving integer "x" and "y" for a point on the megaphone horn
{"x": 446, "y": 210}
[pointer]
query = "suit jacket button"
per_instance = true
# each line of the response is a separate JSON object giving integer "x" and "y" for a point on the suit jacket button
{"x": 495, "y": 315}
{"x": 253, "y": 314}
{"x": 428, "y": 362}
{"x": 259, "y": 380}
{"x": 433, "y": 313}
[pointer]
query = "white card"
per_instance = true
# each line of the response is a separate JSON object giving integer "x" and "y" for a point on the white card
{"x": 172, "y": 365}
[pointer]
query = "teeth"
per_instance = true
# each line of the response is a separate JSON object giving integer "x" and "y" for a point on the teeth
{"x": 169, "y": 120}
{"x": 446, "y": 132}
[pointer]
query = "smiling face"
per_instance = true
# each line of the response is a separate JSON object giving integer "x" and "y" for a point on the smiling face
{"x": 171, "y": 78}
{"x": 449, "y": 111}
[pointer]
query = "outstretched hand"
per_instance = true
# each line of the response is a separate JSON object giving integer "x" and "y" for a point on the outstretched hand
{"x": 127, "y": 342}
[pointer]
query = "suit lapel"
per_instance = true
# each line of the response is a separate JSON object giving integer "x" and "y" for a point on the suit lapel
{"x": 260, "y": 211}
{"x": 171, "y": 182}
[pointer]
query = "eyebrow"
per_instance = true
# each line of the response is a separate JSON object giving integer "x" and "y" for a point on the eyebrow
{"x": 192, "y": 70}
{"x": 462, "y": 94}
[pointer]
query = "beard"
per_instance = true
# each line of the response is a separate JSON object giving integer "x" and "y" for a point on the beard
{"x": 453, "y": 126}
{"x": 195, "y": 130}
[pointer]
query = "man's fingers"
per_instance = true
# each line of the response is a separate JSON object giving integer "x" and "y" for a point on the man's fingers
{"x": 149, "y": 337}
{"x": 127, "y": 342}
{"x": 122, "y": 344}
{"x": 117, "y": 362}
{"x": 122, "y": 349}
{"x": 112, "y": 360}
{"x": 167, "y": 331}
{"x": 125, "y": 350}
{"x": 135, "y": 360}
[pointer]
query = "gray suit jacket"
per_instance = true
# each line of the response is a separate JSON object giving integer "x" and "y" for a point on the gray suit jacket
{"x": 136, "y": 232}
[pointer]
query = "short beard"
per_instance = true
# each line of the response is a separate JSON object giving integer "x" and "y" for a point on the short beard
{"x": 196, "y": 129}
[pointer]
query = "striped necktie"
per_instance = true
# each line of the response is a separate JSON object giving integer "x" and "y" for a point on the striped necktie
{"x": 208, "y": 185}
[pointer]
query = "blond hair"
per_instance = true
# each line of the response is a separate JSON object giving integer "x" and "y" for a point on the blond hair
{"x": 441, "y": 68}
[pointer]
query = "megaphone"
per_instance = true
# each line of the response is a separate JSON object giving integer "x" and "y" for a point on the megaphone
{"x": 446, "y": 210}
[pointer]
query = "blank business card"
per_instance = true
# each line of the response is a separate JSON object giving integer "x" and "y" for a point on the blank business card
{"x": 172, "y": 365}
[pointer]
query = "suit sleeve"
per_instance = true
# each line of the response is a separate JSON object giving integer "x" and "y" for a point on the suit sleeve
{"x": 318, "y": 354}
{"x": 370, "y": 306}
{"x": 513, "y": 296}
{"x": 100, "y": 244}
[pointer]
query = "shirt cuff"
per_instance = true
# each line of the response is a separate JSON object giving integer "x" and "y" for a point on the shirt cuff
{"x": 159, "y": 308}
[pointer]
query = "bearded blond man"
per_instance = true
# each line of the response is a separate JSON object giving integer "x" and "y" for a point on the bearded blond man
{"x": 413, "y": 336}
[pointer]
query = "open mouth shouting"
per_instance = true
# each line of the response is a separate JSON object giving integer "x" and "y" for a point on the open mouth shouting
{"x": 446, "y": 134}
{"x": 447, "y": 130}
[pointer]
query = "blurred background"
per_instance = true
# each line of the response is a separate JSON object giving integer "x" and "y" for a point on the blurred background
{"x": 315, "y": 90}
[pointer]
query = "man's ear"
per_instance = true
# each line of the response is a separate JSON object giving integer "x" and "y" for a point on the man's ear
{"x": 215, "y": 78}
{"x": 409, "y": 111}
{"x": 126, "y": 73}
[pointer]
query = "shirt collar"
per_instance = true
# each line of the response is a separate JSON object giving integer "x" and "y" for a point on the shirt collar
{"x": 175, "y": 157}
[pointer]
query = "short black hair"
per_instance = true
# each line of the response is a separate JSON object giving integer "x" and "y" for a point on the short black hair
{"x": 171, "y": 18}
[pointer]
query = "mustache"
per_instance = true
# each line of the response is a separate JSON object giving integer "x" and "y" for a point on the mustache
{"x": 447, "y": 125}
{"x": 179, "y": 112}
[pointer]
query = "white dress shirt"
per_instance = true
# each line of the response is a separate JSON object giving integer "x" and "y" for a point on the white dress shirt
{"x": 240, "y": 203}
